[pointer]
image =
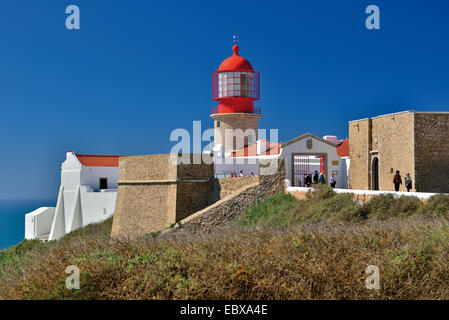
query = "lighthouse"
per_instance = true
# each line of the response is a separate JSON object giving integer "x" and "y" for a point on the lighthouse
{"x": 235, "y": 85}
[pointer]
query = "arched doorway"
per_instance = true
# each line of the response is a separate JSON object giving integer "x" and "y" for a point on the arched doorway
{"x": 375, "y": 172}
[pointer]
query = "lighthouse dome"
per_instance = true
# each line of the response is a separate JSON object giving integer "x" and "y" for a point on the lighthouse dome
{"x": 235, "y": 62}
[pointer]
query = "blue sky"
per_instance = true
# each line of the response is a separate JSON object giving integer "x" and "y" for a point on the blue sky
{"x": 136, "y": 70}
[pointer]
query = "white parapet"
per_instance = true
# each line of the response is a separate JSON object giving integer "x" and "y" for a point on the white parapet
{"x": 419, "y": 195}
{"x": 38, "y": 223}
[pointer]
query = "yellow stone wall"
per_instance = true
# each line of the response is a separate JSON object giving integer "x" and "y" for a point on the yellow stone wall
{"x": 432, "y": 152}
{"x": 156, "y": 191}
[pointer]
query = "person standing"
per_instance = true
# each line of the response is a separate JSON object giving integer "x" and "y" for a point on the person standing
{"x": 397, "y": 181}
{"x": 408, "y": 182}
{"x": 315, "y": 177}
{"x": 332, "y": 181}
{"x": 308, "y": 180}
{"x": 321, "y": 179}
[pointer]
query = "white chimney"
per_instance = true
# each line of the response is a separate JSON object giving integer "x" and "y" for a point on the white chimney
{"x": 332, "y": 139}
{"x": 262, "y": 146}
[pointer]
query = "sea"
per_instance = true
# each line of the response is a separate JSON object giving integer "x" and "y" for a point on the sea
{"x": 12, "y": 219}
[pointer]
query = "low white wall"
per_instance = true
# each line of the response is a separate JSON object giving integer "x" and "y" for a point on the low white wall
{"x": 39, "y": 222}
{"x": 419, "y": 195}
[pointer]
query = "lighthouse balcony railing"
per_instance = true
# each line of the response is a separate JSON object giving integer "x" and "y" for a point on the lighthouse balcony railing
{"x": 256, "y": 110}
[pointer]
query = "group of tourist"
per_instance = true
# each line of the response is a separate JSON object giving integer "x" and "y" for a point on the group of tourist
{"x": 240, "y": 174}
{"x": 318, "y": 178}
{"x": 310, "y": 180}
{"x": 397, "y": 181}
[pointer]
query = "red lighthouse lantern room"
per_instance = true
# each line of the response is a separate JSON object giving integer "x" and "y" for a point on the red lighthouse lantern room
{"x": 235, "y": 85}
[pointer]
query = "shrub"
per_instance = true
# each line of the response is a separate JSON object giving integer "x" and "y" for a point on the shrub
{"x": 387, "y": 206}
{"x": 13, "y": 255}
{"x": 310, "y": 257}
{"x": 437, "y": 205}
{"x": 406, "y": 206}
{"x": 379, "y": 206}
{"x": 328, "y": 206}
{"x": 317, "y": 261}
{"x": 321, "y": 192}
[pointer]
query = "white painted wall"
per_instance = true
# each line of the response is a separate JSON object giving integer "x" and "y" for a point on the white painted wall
{"x": 97, "y": 206}
{"x": 71, "y": 172}
{"x": 90, "y": 176}
{"x": 76, "y": 209}
{"x": 344, "y": 169}
{"x": 38, "y": 222}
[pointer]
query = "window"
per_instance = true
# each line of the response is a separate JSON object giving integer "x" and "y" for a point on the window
{"x": 218, "y": 123}
{"x": 246, "y": 85}
{"x": 236, "y": 84}
{"x": 103, "y": 183}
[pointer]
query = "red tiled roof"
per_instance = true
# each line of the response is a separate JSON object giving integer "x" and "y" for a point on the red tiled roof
{"x": 91, "y": 160}
{"x": 343, "y": 149}
{"x": 251, "y": 151}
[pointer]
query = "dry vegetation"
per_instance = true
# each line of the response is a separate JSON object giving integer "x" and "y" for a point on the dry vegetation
{"x": 284, "y": 248}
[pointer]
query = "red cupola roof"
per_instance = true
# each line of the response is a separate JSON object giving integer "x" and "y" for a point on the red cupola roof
{"x": 235, "y": 62}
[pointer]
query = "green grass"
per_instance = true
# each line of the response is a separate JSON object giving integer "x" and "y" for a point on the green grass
{"x": 15, "y": 254}
{"x": 274, "y": 211}
{"x": 19, "y": 255}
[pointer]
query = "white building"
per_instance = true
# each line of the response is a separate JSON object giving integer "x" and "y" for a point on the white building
{"x": 87, "y": 195}
{"x": 304, "y": 154}
{"x": 309, "y": 153}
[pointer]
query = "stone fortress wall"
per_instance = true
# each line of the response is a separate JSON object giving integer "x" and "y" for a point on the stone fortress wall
{"x": 156, "y": 192}
{"x": 359, "y": 145}
{"x": 388, "y": 138}
{"x": 228, "y": 186}
{"x": 432, "y": 152}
